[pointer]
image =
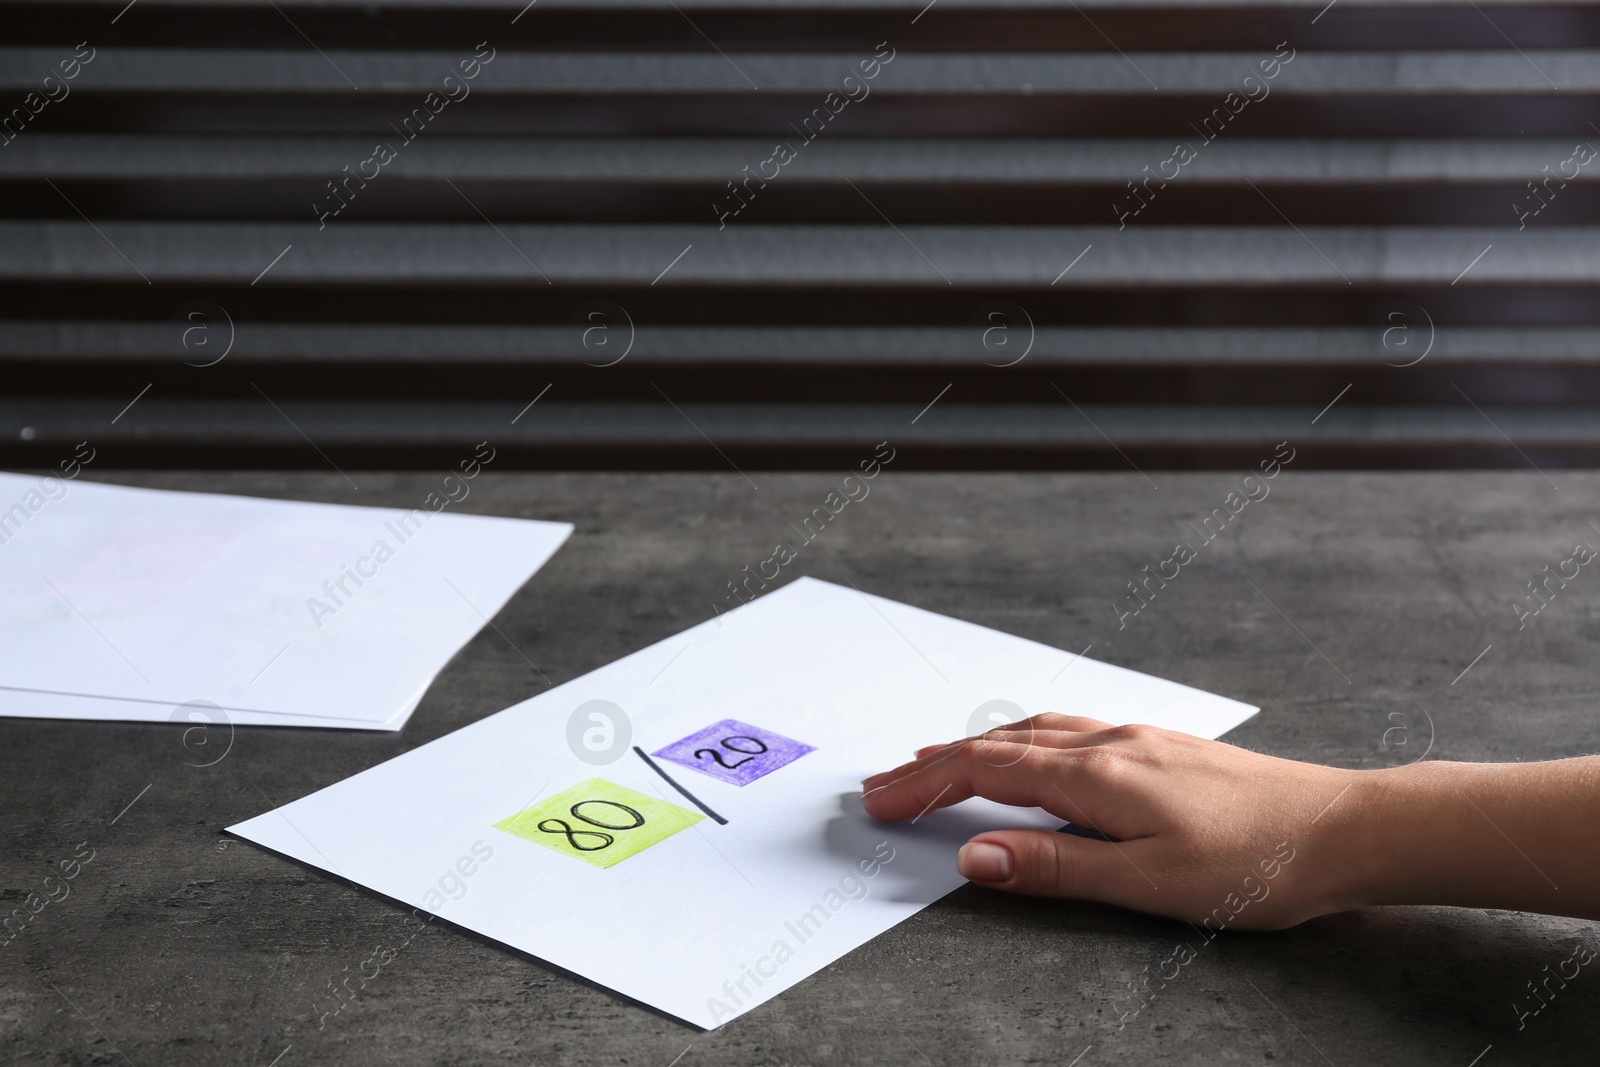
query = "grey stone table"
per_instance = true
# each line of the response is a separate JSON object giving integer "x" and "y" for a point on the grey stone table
{"x": 1373, "y": 593}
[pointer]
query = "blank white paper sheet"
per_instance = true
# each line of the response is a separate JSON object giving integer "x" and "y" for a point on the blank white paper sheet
{"x": 545, "y": 828}
{"x": 130, "y": 604}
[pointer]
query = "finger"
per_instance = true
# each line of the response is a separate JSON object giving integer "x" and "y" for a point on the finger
{"x": 934, "y": 754}
{"x": 1049, "y": 724}
{"x": 1053, "y": 722}
{"x": 925, "y": 757}
{"x": 931, "y": 754}
{"x": 1043, "y": 864}
{"x": 1005, "y": 771}
{"x": 1051, "y": 731}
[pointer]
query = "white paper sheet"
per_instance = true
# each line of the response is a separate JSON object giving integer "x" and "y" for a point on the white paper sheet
{"x": 27, "y": 704}
{"x": 128, "y": 603}
{"x": 693, "y": 923}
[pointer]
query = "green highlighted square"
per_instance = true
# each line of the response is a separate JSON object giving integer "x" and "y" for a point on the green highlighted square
{"x": 599, "y": 822}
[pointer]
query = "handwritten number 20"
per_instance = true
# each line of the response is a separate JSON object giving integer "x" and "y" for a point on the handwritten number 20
{"x": 561, "y": 826}
{"x": 728, "y": 743}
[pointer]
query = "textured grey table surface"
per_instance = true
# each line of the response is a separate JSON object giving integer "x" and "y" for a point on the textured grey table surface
{"x": 179, "y": 945}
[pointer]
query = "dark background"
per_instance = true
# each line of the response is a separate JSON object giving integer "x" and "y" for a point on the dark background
{"x": 1321, "y": 247}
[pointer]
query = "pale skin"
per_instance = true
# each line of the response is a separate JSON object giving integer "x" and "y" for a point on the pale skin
{"x": 1192, "y": 819}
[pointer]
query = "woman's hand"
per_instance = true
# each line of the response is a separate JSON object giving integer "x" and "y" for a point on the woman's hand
{"x": 1203, "y": 830}
{"x": 1207, "y": 832}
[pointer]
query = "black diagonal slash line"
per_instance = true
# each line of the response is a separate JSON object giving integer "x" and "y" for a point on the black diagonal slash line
{"x": 654, "y": 766}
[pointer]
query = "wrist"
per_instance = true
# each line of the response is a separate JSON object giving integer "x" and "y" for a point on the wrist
{"x": 1425, "y": 834}
{"x": 1391, "y": 842}
{"x": 1477, "y": 835}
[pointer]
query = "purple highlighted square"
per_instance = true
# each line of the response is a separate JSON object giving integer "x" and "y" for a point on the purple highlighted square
{"x": 734, "y": 751}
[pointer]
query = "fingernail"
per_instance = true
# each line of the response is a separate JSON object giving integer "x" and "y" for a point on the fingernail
{"x": 984, "y": 861}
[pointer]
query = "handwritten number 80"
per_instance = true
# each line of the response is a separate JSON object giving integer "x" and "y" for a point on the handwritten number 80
{"x": 561, "y": 826}
{"x": 728, "y": 743}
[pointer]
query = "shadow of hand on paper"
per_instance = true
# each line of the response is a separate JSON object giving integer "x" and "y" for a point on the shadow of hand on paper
{"x": 922, "y": 852}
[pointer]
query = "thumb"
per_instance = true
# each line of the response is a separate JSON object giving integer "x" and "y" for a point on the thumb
{"x": 1043, "y": 864}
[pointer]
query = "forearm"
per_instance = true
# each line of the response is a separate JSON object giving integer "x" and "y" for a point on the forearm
{"x": 1214, "y": 834}
{"x": 1521, "y": 836}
